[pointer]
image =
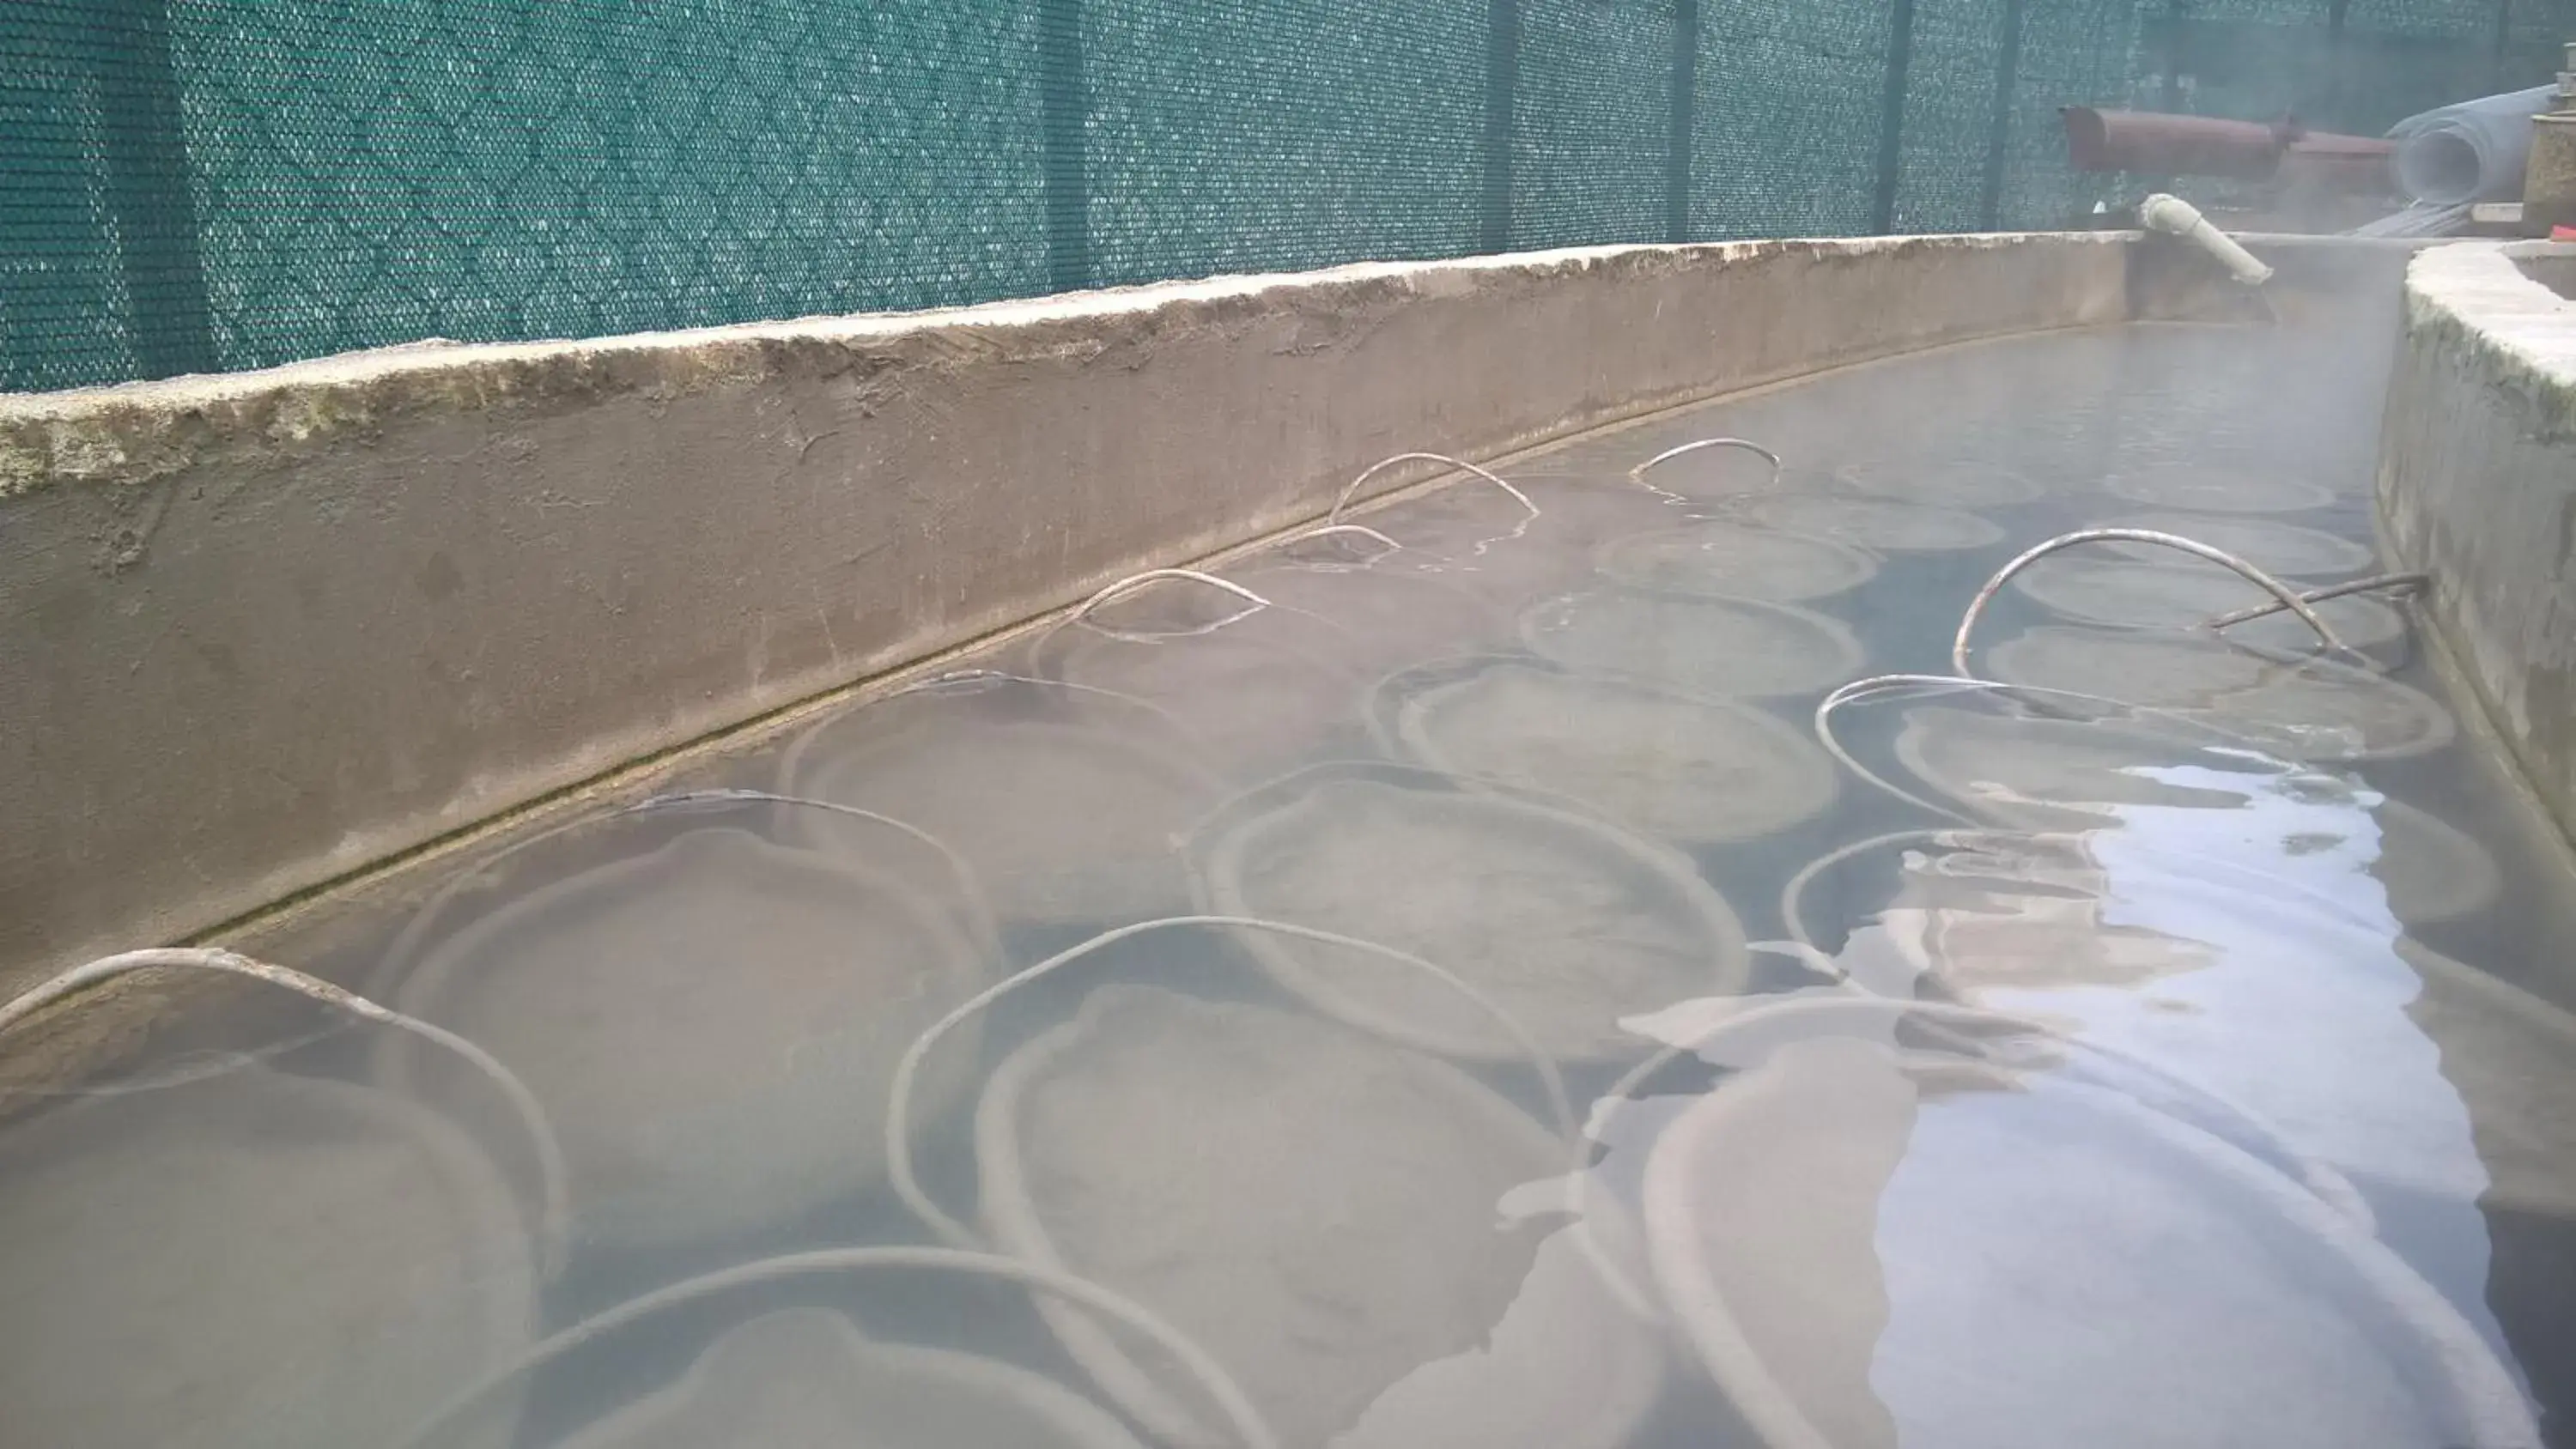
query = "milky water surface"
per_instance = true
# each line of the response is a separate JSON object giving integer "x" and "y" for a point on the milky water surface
{"x": 1444, "y": 990}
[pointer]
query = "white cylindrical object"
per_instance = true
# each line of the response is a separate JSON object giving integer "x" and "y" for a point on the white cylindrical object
{"x": 2173, "y": 215}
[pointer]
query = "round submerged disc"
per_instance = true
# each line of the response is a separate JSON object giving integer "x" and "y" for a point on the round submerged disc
{"x": 1323, "y": 1212}
{"x": 2506, "y": 1050}
{"x": 2040, "y": 773}
{"x": 1730, "y": 560}
{"x": 252, "y": 1258}
{"x": 2181, "y": 592}
{"x": 1668, "y": 764}
{"x": 1382, "y": 619}
{"x": 2306, "y": 709}
{"x": 1869, "y": 522}
{"x": 2432, "y": 869}
{"x": 2058, "y": 774}
{"x": 1259, "y": 693}
{"x": 2217, "y": 490}
{"x": 1943, "y": 485}
{"x": 806, "y": 1378}
{"x": 1718, "y": 647}
{"x": 2284, "y": 550}
{"x": 1563, "y": 922}
{"x": 1066, "y": 818}
{"x": 710, "y": 1027}
{"x": 1869, "y": 1247}
{"x": 1478, "y": 538}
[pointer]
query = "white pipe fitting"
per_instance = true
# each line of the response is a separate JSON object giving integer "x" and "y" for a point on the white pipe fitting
{"x": 2177, "y": 217}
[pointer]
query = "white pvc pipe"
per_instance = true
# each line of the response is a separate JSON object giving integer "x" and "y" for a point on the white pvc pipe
{"x": 2177, "y": 217}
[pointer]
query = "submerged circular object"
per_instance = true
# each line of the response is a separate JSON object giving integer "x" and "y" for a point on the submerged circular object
{"x": 2284, "y": 550}
{"x": 1475, "y": 536}
{"x": 2182, "y": 592}
{"x": 2040, "y": 773}
{"x": 1869, "y": 522}
{"x": 1258, "y": 694}
{"x": 1564, "y": 922}
{"x": 1703, "y": 645}
{"x": 2060, "y": 774}
{"x": 1729, "y": 560}
{"x": 1381, "y": 618}
{"x": 2217, "y": 490}
{"x": 1943, "y": 485}
{"x": 2505, "y": 1050}
{"x": 252, "y": 1258}
{"x": 2432, "y": 870}
{"x": 1065, "y": 803}
{"x": 1668, "y": 764}
{"x": 709, "y": 1022}
{"x": 1317, "y": 1208}
{"x": 806, "y": 1378}
{"x": 1868, "y": 1246}
{"x": 2305, "y": 709}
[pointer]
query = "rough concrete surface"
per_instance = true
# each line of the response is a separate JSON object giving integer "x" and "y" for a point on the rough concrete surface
{"x": 2477, "y": 485}
{"x": 265, "y": 629}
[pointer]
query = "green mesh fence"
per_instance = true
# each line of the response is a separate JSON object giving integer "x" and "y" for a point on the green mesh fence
{"x": 196, "y": 185}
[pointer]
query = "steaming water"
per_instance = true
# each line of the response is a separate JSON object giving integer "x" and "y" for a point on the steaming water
{"x": 2277, "y": 1144}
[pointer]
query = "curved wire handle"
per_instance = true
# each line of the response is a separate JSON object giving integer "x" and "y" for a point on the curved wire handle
{"x": 2289, "y": 599}
{"x": 898, "y": 1123}
{"x": 1249, "y": 1426}
{"x": 1344, "y": 501}
{"x": 552, "y": 1177}
{"x": 1743, "y": 444}
{"x": 982, "y": 679}
{"x": 1253, "y": 604}
{"x": 1860, "y": 689}
{"x": 1344, "y": 530}
{"x": 2376, "y": 582}
{"x": 1133, "y": 582}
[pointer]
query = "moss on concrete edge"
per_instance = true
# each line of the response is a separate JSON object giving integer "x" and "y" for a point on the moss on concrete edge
{"x": 2476, "y": 304}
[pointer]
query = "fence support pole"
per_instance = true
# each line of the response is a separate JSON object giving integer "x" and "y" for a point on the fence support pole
{"x": 145, "y": 160}
{"x": 1064, "y": 103}
{"x": 1990, "y": 207}
{"x": 1891, "y": 116}
{"x": 1502, "y": 81}
{"x": 1677, "y": 150}
{"x": 2503, "y": 45}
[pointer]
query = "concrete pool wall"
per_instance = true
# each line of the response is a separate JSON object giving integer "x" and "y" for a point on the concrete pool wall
{"x": 267, "y": 630}
{"x": 2477, "y": 486}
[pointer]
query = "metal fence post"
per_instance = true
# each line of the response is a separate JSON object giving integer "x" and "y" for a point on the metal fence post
{"x": 1891, "y": 116}
{"x": 1064, "y": 104}
{"x": 1677, "y": 152}
{"x": 1990, "y": 208}
{"x": 1502, "y": 80}
{"x": 145, "y": 161}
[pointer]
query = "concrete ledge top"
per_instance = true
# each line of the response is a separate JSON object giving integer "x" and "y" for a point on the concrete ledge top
{"x": 2506, "y": 318}
{"x": 134, "y": 432}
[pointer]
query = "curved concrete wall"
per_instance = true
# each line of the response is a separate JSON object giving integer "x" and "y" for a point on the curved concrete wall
{"x": 2477, "y": 485}
{"x": 261, "y": 630}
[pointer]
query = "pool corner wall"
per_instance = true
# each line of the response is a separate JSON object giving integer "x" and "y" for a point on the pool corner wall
{"x": 2477, "y": 486}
